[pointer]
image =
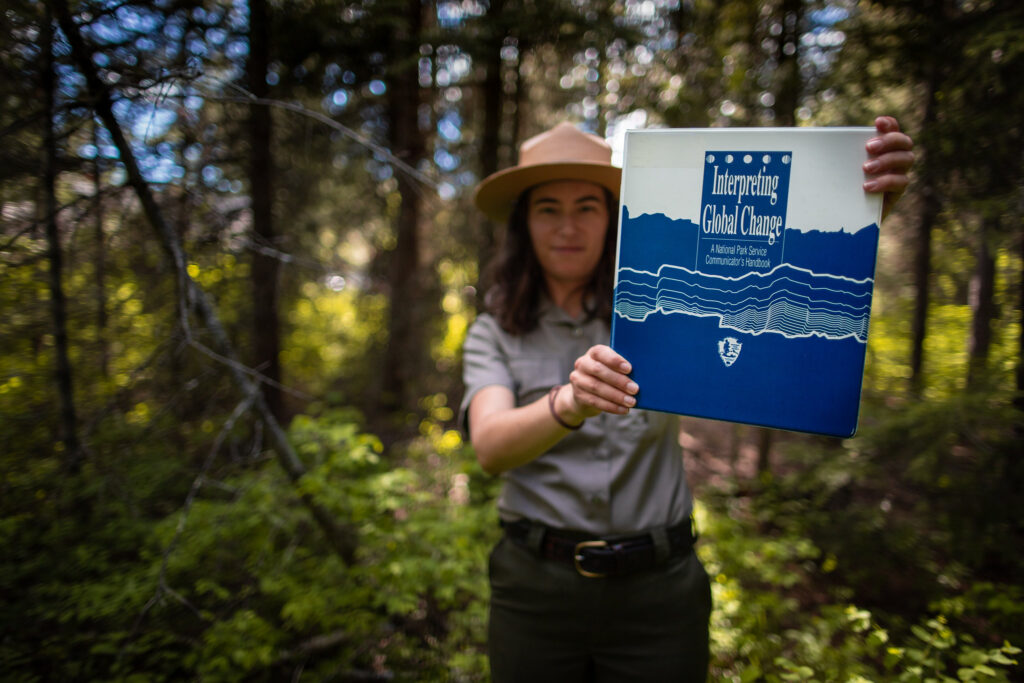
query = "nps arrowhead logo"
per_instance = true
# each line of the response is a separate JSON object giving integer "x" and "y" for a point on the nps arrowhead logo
{"x": 729, "y": 350}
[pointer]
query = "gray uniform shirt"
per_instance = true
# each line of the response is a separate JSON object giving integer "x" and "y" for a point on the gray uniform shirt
{"x": 618, "y": 474}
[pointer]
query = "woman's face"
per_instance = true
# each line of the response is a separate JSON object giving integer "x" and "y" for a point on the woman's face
{"x": 568, "y": 220}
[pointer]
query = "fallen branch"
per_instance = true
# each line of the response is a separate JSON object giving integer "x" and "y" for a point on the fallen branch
{"x": 162, "y": 587}
{"x": 321, "y": 643}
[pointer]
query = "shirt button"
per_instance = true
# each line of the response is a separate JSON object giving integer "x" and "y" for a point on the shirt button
{"x": 577, "y": 331}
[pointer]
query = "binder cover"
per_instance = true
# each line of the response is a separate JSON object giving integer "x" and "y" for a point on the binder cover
{"x": 744, "y": 273}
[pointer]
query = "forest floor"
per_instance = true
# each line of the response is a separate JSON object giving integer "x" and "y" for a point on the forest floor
{"x": 716, "y": 453}
{"x": 726, "y": 455}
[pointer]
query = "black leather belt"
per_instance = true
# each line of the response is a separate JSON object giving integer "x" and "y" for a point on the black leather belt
{"x": 602, "y": 557}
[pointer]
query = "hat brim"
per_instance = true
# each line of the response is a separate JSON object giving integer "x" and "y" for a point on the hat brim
{"x": 498, "y": 192}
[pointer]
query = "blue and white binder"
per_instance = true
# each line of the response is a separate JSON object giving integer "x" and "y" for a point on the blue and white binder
{"x": 744, "y": 274}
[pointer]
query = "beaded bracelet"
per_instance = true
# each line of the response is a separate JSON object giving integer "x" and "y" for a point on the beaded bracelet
{"x": 551, "y": 406}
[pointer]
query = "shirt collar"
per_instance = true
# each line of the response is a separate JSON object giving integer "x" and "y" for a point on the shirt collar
{"x": 549, "y": 312}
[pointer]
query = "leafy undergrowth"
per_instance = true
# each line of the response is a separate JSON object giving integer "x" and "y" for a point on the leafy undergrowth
{"x": 240, "y": 584}
{"x": 780, "y": 617}
{"x": 895, "y": 556}
{"x": 866, "y": 560}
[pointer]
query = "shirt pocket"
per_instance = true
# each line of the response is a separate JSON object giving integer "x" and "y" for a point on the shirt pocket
{"x": 535, "y": 375}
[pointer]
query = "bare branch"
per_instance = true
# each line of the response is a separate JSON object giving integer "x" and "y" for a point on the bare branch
{"x": 242, "y": 367}
{"x": 248, "y": 98}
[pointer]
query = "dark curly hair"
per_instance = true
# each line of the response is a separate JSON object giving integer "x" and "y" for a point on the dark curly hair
{"x": 515, "y": 279}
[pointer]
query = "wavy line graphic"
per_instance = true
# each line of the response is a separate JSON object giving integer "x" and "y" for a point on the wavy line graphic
{"x": 787, "y": 300}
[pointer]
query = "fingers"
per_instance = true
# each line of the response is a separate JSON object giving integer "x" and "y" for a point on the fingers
{"x": 888, "y": 172}
{"x": 886, "y": 124}
{"x": 600, "y": 382}
{"x": 890, "y": 157}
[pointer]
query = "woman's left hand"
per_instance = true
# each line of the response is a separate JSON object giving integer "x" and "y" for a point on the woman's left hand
{"x": 600, "y": 382}
{"x": 890, "y": 158}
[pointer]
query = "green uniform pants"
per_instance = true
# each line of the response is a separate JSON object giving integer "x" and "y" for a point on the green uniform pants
{"x": 548, "y": 623}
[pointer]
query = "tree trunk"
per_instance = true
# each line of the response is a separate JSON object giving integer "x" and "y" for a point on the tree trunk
{"x": 982, "y": 300}
{"x": 929, "y": 214}
{"x": 735, "y": 442}
{"x": 266, "y": 344}
{"x": 518, "y": 99}
{"x": 72, "y": 452}
{"x": 100, "y": 260}
{"x": 922, "y": 276}
{"x": 764, "y": 452}
{"x": 787, "y": 95}
{"x": 493, "y": 90}
{"x": 407, "y": 340}
{"x": 1018, "y": 400}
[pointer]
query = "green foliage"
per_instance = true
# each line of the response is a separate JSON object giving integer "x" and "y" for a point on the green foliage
{"x": 888, "y": 356}
{"x": 333, "y": 331}
{"x": 893, "y": 556}
{"x": 937, "y": 648}
{"x": 775, "y": 619}
{"x": 241, "y": 585}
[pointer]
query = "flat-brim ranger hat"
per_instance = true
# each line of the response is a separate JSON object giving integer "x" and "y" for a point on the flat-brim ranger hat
{"x": 562, "y": 153}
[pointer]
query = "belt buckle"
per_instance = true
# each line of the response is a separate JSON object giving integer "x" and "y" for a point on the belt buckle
{"x": 577, "y": 557}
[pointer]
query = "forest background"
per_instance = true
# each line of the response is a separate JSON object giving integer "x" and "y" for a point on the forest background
{"x": 239, "y": 257}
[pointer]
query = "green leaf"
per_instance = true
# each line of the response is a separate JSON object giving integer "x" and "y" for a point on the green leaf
{"x": 972, "y": 658}
{"x": 921, "y": 633}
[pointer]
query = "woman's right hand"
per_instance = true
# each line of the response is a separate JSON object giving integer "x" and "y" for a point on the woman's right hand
{"x": 600, "y": 383}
